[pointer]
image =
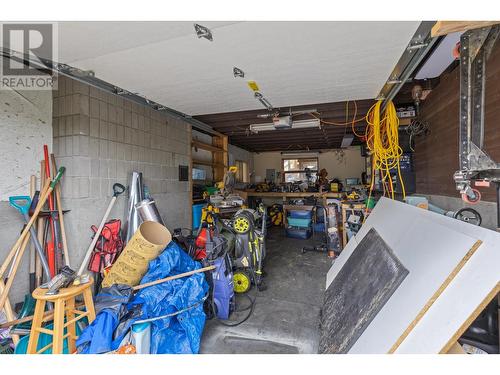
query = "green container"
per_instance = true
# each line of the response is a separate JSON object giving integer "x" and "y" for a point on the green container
{"x": 370, "y": 203}
{"x": 211, "y": 190}
{"x": 45, "y": 339}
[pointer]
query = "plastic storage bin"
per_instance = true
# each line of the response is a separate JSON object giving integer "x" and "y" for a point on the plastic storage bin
{"x": 299, "y": 214}
{"x": 296, "y": 222}
{"x": 197, "y": 208}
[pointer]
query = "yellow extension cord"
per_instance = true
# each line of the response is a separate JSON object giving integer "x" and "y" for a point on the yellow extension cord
{"x": 383, "y": 141}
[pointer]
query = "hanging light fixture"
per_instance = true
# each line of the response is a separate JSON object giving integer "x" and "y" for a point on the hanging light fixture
{"x": 302, "y": 124}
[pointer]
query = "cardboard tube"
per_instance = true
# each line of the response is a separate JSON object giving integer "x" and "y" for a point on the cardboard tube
{"x": 146, "y": 244}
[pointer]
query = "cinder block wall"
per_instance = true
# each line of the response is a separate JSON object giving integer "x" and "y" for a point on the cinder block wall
{"x": 101, "y": 138}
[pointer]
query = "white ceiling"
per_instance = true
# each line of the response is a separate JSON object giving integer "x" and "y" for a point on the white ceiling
{"x": 294, "y": 63}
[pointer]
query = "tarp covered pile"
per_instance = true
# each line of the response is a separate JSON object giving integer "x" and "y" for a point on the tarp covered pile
{"x": 175, "y": 307}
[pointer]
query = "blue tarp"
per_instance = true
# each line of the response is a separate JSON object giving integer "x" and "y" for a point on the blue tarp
{"x": 110, "y": 306}
{"x": 180, "y": 333}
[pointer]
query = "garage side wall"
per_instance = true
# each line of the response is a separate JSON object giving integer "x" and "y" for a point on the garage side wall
{"x": 101, "y": 138}
{"x": 436, "y": 156}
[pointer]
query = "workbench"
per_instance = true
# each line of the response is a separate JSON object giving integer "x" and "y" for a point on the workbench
{"x": 245, "y": 194}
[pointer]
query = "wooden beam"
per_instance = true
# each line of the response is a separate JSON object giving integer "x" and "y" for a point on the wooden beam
{"x": 337, "y": 108}
{"x": 208, "y": 163}
{"x": 243, "y": 123}
{"x": 206, "y": 146}
{"x": 456, "y": 349}
{"x": 451, "y": 342}
{"x": 448, "y": 27}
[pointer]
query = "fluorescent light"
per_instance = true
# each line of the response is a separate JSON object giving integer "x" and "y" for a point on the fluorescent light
{"x": 347, "y": 140}
{"x": 255, "y": 128}
{"x": 301, "y": 153}
{"x": 303, "y": 124}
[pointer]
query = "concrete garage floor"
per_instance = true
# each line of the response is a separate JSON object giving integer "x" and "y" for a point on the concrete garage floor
{"x": 286, "y": 315}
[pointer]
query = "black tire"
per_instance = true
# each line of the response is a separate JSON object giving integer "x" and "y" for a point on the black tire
{"x": 469, "y": 215}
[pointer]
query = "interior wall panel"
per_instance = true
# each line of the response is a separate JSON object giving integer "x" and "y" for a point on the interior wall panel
{"x": 436, "y": 156}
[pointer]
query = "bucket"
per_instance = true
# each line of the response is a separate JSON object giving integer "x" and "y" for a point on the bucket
{"x": 141, "y": 337}
{"x": 146, "y": 244}
{"x": 197, "y": 209}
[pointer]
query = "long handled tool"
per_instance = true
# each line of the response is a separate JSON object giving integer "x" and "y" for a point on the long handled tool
{"x": 9, "y": 313}
{"x": 12, "y": 252}
{"x": 60, "y": 215}
{"x": 40, "y": 226}
{"x": 160, "y": 281}
{"x": 13, "y": 271}
{"x": 117, "y": 190}
{"x": 33, "y": 235}
{"x": 23, "y": 237}
{"x": 11, "y": 268}
{"x": 22, "y": 204}
{"x": 51, "y": 257}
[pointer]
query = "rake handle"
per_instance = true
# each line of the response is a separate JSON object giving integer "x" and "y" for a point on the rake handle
{"x": 160, "y": 281}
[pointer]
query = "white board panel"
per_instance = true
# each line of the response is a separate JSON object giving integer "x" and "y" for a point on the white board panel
{"x": 430, "y": 252}
{"x": 468, "y": 289}
{"x": 474, "y": 282}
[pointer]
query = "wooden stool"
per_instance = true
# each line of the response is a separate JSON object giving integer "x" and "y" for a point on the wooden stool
{"x": 64, "y": 305}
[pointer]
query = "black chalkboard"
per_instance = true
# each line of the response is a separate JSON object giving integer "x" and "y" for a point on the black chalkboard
{"x": 362, "y": 287}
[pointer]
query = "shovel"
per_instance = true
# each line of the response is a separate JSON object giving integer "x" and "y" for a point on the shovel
{"x": 22, "y": 203}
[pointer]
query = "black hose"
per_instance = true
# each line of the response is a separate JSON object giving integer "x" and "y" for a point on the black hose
{"x": 234, "y": 324}
{"x": 249, "y": 307}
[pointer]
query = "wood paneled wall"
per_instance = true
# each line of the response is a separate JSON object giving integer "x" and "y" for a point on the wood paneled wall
{"x": 436, "y": 156}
